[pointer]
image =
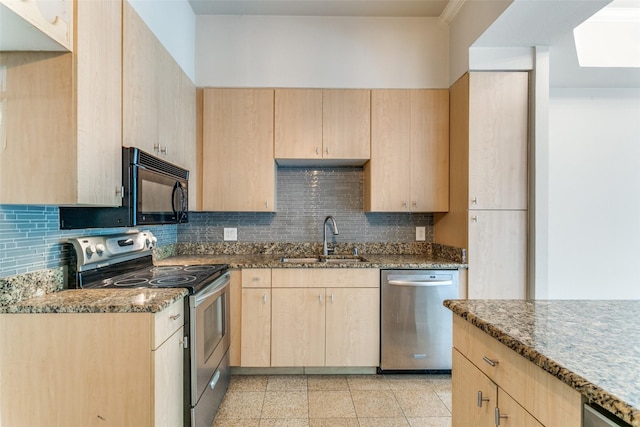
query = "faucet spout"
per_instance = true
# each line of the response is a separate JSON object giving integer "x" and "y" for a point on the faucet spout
{"x": 325, "y": 249}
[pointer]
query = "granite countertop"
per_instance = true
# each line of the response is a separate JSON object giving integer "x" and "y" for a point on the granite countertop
{"x": 99, "y": 301}
{"x": 274, "y": 261}
{"x": 593, "y": 346}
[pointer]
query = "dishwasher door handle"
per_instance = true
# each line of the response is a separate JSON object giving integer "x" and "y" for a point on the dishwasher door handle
{"x": 422, "y": 283}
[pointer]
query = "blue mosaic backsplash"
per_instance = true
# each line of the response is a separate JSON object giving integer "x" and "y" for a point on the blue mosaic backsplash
{"x": 305, "y": 197}
{"x": 30, "y": 238}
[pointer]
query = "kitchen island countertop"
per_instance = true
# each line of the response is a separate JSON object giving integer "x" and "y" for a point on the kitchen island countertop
{"x": 593, "y": 346}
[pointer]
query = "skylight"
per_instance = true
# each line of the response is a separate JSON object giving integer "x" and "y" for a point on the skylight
{"x": 611, "y": 37}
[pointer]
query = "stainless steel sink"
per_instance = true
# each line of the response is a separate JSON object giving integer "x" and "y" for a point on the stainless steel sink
{"x": 328, "y": 258}
{"x": 306, "y": 260}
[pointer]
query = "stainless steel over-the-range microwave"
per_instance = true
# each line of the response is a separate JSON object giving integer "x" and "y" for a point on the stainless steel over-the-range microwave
{"x": 154, "y": 191}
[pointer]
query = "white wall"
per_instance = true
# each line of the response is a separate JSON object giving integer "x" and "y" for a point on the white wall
{"x": 594, "y": 195}
{"x": 329, "y": 52}
{"x": 173, "y": 22}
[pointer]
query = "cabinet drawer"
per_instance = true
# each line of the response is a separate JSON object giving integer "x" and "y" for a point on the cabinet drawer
{"x": 326, "y": 277}
{"x": 547, "y": 398}
{"x": 166, "y": 322}
{"x": 256, "y": 278}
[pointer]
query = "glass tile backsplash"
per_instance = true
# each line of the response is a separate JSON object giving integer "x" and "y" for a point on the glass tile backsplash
{"x": 30, "y": 238}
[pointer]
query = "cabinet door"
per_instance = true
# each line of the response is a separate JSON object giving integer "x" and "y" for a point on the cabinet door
{"x": 298, "y": 124}
{"x": 346, "y": 124}
{"x": 470, "y": 389}
{"x": 298, "y": 327}
{"x": 430, "y": 150}
{"x": 168, "y": 382}
{"x": 498, "y": 130}
{"x": 256, "y": 328}
{"x": 55, "y": 27}
{"x": 353, "y": 327}
{"x": 497, "y": 254}
{"x": 141, "y": 79}
{"x": 99, "y": 102}
{"x": 388, "y": 173}
{"x": 512, "y": 414}
{"x": 238, "y": 167}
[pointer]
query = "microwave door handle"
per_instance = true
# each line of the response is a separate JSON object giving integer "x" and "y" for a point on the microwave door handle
{"x": 179, "y": 214}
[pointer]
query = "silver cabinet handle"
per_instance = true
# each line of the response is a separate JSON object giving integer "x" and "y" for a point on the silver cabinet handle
{"x": 474, "y": 200}
{"x": 214, "y": 380}
{"x": 156, "y": 147}
{"x": 490, "y": 361}
{"x": 163, "y": 150}
{"x": 320, "y": 298}
{"x": 326, "y": 150}
{"x": 415, "y": 203}
{"x": 404, "y": 204}
{"x": 175, "y": 316}
{"x": 474, "y": 218}
{"x": 331, "y": 298}
{"x": 264, "y": 298}
{"x": 266, "y": 203}
{"x": 481, "y": 399}
{"x": 498, "y": 416}
{"x": 420, "y": 282}
{"x": 317, "y": 151}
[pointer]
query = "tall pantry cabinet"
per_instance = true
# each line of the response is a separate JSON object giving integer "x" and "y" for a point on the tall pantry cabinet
{"x": 489, "y": 178}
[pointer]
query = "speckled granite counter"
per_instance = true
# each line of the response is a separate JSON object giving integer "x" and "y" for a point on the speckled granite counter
{"x": 99, "y": 301}
{"x": 274, "y": 261}
{"x": 594, "y": 346}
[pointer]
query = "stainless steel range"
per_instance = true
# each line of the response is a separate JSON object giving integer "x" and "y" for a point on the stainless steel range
{"x": 125, "y": 261}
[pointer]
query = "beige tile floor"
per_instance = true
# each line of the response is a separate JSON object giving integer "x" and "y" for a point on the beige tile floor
{"x": 336, "y": 401}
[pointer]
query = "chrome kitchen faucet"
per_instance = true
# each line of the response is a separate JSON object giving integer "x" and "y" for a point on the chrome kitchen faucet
{"x": 325, "y": 249}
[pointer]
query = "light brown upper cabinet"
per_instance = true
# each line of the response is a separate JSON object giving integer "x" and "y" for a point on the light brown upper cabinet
{"x": 159, "y": 99}
{"x": 332, "y": 125}
{"x": 409, "y": 166}
{"x": 498, "y": 135}
{"x": 61, "y": 116}
{"x": 238, "y": 170}
{"x": 488, "y": 206}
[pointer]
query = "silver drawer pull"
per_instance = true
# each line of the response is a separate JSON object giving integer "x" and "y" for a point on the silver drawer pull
{"x": 175, "y": 316}
{"x": 264, "y": 298}
{"x": 498, "y": 416}
{"x": 214, "y": 380}
{"x": 489, "y": 361}
{"x": 481, "y": 399}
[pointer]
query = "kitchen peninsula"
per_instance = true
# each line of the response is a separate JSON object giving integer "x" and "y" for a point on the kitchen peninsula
{"x": 591, "y": 346}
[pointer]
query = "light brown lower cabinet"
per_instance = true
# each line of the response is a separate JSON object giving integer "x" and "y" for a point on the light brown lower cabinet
{"x": 493, "y": 383}
{"x": 294, "y": 317}
{"x": 92, "y": 369}
{"x": 478, "y": 401}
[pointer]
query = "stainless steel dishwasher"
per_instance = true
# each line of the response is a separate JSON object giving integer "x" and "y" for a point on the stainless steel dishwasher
{"x": 416, "y": 329}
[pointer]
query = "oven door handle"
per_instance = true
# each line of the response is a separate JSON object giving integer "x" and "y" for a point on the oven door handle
{"x": 216, "y": 287}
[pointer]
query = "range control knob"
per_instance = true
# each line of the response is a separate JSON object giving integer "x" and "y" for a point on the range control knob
{"x": 90, "y": 250}
{"x": 100, "y": 249}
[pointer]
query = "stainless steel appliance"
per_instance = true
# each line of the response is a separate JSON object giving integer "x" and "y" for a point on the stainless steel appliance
{"x": 153, "y": 192}
{"x": 593, "y": 416}
{"x": 416, "y": 329}
{"x": 124, "y": 261}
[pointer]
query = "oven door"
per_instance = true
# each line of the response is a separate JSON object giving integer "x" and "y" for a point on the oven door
{"x": 209, "y": 333}
{"x": 158, "y": 198}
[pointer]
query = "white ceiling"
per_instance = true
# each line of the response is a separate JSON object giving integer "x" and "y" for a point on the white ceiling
{"x": 397, "y": 8}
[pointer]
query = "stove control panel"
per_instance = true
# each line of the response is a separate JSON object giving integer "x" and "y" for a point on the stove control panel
{"x": 99, "y": 251}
